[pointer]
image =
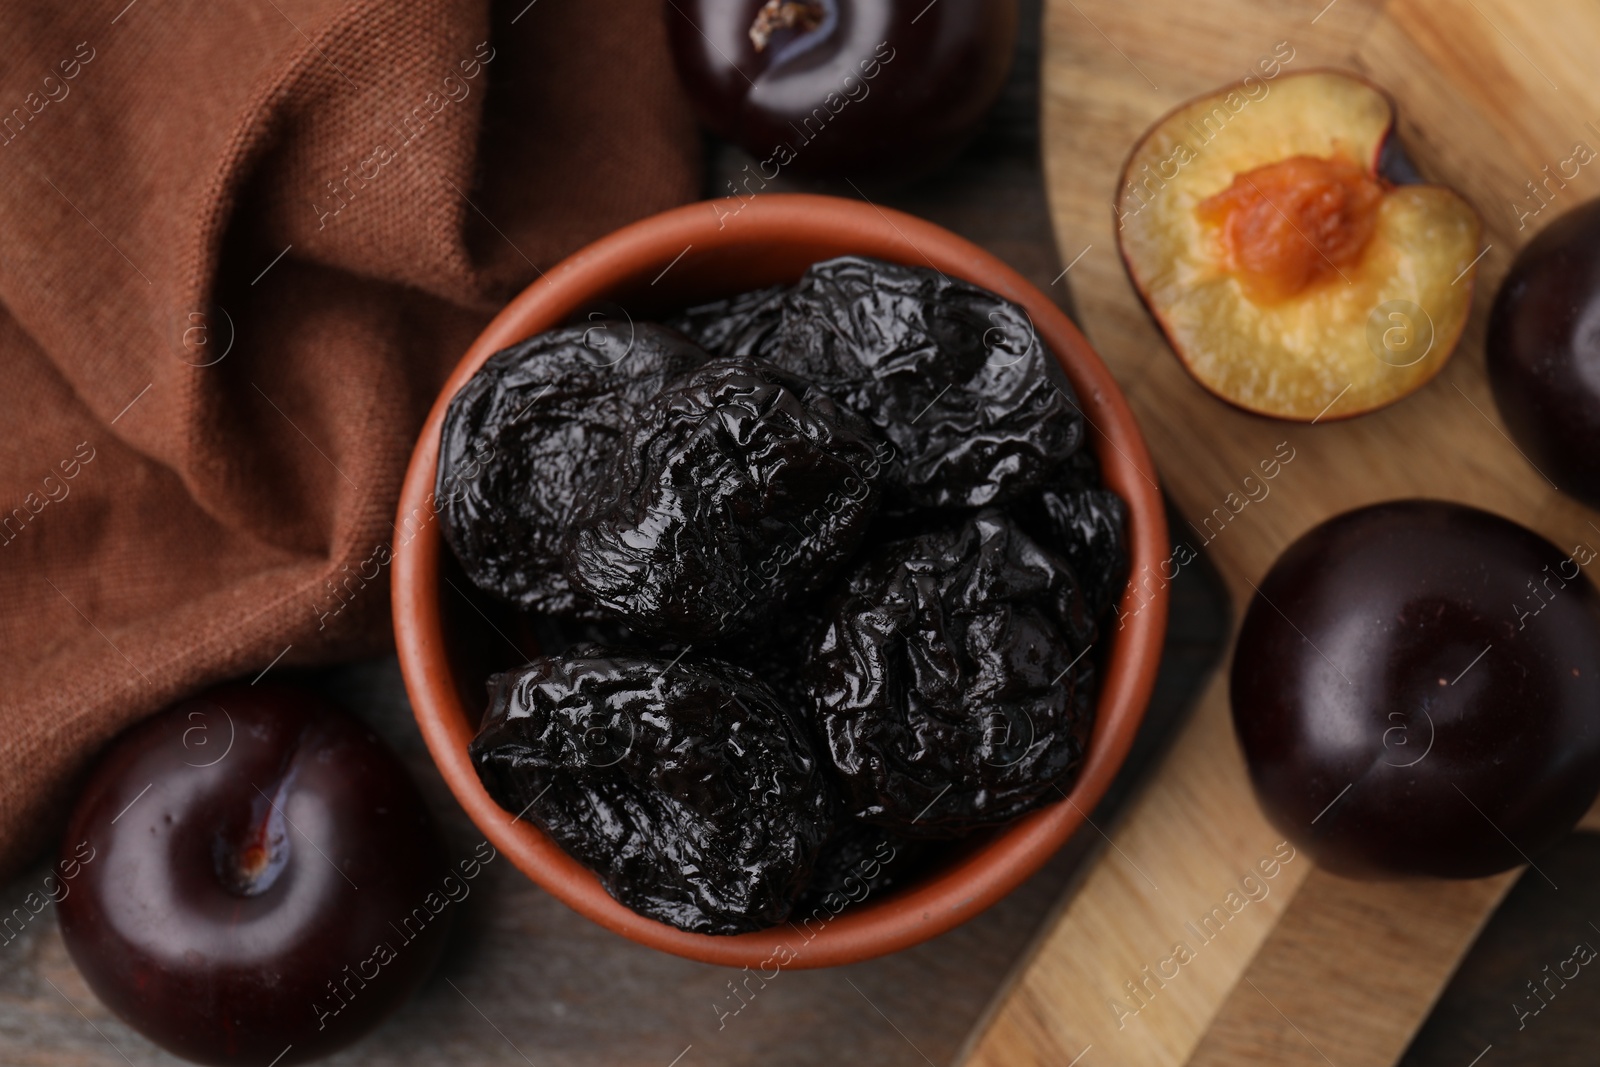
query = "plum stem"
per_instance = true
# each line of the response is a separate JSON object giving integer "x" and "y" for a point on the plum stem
{"x": 250, "y": 867}
{"x": 775, "y": 15}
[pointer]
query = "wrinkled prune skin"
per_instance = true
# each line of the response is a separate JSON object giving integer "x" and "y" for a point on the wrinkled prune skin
{"x": 743, "y": 325}
{"x": 1090, "y": 531}
{"x": 735, "y": 489}
{"x": 857, "y": 860}
{"x": 1085, "y": 524}
{"x": 526, "y": 436}
{"x": 688, "y": 788}
{"x": 949, "y": 684}
{"x": 956, "y": 378}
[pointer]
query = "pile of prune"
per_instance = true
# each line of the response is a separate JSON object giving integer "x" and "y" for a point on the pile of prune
{"x": 848, "y": 552}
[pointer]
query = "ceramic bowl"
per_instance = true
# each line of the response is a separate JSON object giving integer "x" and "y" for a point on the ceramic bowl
{"x": 693, "y": 254}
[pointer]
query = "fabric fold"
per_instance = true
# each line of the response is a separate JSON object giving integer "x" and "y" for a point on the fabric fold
{"x": 245, "y": 245}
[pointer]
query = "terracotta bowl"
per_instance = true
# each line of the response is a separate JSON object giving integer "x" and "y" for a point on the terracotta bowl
{"x": 701, "y": 252}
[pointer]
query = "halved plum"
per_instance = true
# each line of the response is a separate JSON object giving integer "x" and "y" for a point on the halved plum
{"x": 1284, "y": 245}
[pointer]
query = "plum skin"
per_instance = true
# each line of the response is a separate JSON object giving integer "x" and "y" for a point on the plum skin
{"x": 903, "y": 85}
{"x": 1441, "y": 662}
{"x": 207, "y": 918}
{"x": 1543, "y": 349}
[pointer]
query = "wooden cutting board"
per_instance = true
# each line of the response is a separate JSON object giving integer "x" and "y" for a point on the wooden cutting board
{"x": 1302, "y": 967}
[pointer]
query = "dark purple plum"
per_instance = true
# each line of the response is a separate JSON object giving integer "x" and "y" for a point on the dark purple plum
{"x": 262, "y": 879}
{"x": 873, "y": 92}
{"x": 1416, "y": 688}
{"x": 1544, "y": 351}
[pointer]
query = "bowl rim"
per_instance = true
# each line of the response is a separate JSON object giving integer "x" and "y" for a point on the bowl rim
{"x": 908, "y": 915}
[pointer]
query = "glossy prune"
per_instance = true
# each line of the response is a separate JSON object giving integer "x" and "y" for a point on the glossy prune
{"x": 527, "y": 435}
{"x": 742, "y": 325}
{"x": 954, "y": 377}
{"x": 950, "y": 684}
{"x": 735, "y": 489}
{"x": 688, "y": 788}
{"x": 1087, "y": 526}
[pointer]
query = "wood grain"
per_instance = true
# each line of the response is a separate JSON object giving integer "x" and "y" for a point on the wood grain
{"x": 1490, "y": 92}
{"x": 1183, "y": 846}
{"x": 1341, "y": 976}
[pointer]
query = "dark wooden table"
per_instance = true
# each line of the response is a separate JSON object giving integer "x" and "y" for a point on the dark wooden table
{"x": 527, "y": 982}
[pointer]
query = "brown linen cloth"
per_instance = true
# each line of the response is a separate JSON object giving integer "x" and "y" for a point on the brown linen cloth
{"x": 241, "y": 245}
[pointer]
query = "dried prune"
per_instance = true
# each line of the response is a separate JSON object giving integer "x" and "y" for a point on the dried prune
{"x": 528, "y": 434}
{"x": 955, "y": 377}
{"x": 743, "y": 325}
{"x": 857, "y": 860}
{"x": 688, "y": 788}
{"x": 735, "y": 489}
{"x": 950, "y": 683}
{"x": 1085, "y": 524}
